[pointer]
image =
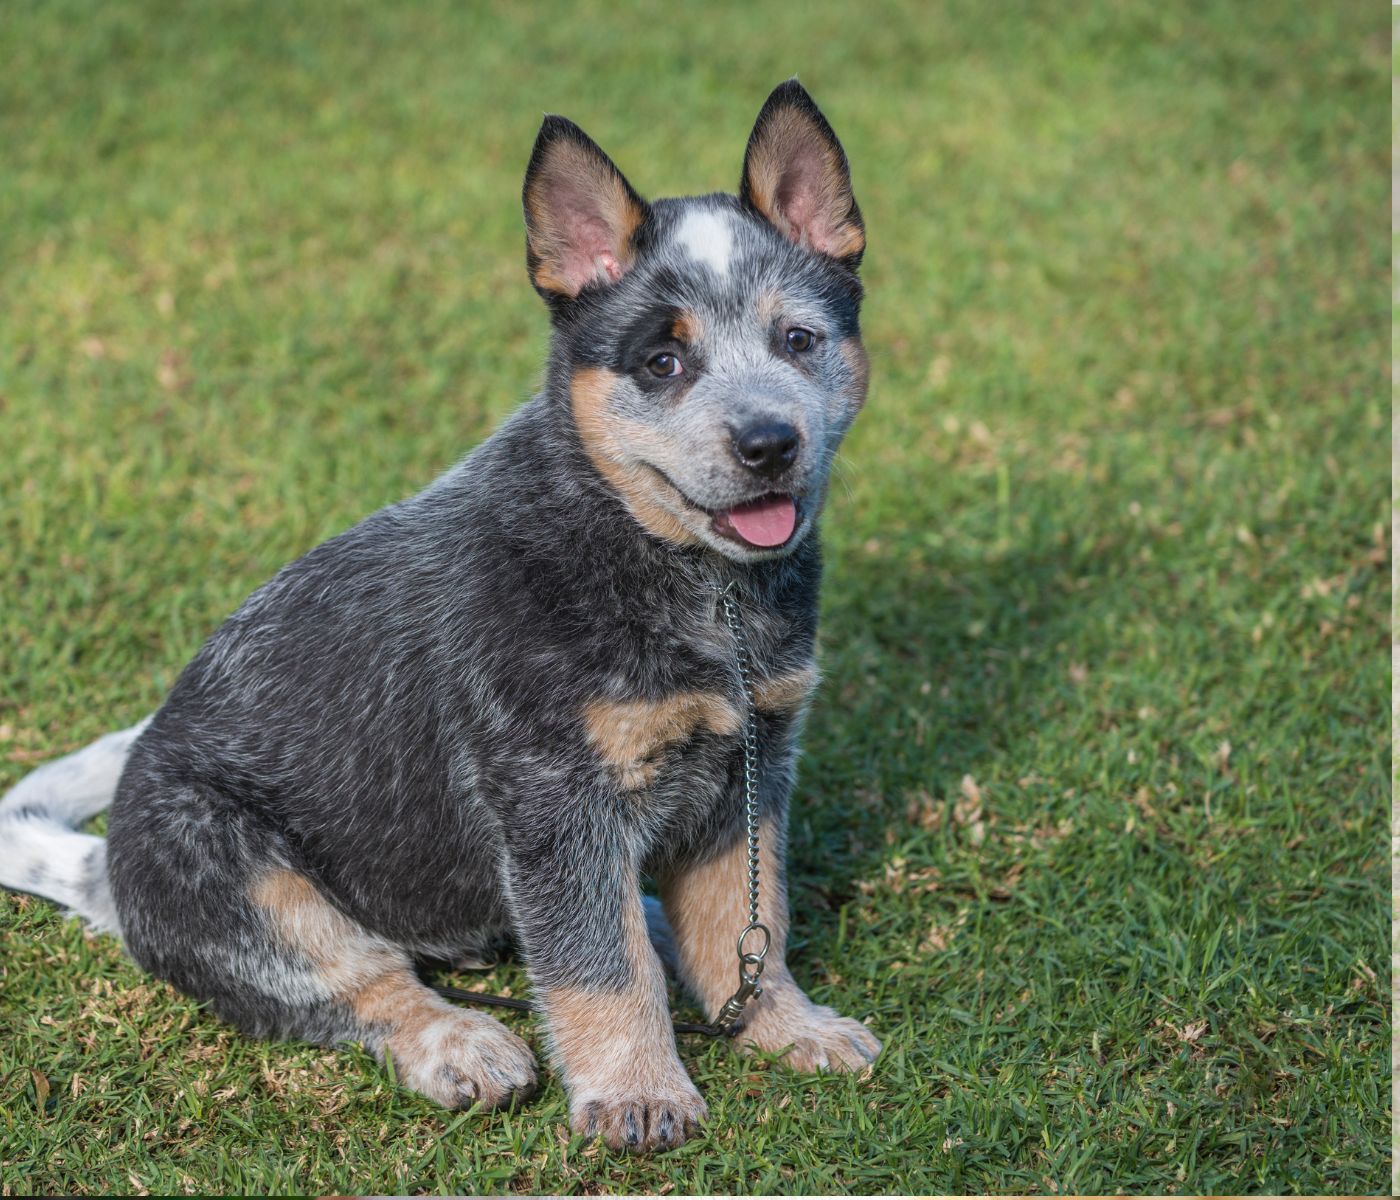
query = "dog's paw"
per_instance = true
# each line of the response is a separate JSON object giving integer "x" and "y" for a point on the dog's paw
{"x": 815, "y": 1038}
{"x": 462, "y": 1058}
{"x": 655, "y": 1118}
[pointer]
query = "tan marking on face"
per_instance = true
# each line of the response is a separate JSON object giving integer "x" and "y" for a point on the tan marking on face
{"x": 687, "y": 328}
{"x": 574, "y": 168}
{"x": 548, "y": 277}
{"x": 786, "y": 137}
{"x": 853, "y": 351}
{"x": 766, "y": 164}
{"x": 845, "y": 241}
{"x": 706, "y": 904}
{"x": 769, "y": 306}
{"x": 787, "y": 693}
{"x": 640, "y": 488}
{"x": 630, "y": 735}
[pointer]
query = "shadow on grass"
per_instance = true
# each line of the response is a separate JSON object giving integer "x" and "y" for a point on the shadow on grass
{"x": 937, "y": 668}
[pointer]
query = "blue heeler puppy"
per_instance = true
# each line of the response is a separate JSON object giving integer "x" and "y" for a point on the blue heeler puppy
{"x": 488, "y": 711}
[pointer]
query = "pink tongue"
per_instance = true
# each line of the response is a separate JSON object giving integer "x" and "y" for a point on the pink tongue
{"x": 766, "y": 522}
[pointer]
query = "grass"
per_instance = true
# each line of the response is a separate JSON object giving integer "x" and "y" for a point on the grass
{"x": 1092, "y": 820}
{"x": 1395, "y": 633}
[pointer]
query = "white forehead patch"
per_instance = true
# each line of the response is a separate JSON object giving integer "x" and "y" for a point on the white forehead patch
{"x": 708, "y": 239}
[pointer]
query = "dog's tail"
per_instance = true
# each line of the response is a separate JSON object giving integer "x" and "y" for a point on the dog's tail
{"x": 40, "y": 848}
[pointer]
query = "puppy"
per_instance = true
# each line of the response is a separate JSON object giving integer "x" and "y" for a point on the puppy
{"x": 489, "y": 710}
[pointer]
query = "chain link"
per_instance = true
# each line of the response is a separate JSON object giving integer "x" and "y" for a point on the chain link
{"x": 750, "y": 961}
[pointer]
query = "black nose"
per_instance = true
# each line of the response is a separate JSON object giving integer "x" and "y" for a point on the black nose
{"x": 767, "y": 447}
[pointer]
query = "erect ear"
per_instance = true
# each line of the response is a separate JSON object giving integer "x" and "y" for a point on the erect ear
{"x": 795, "y": 174}
{"x": 580, "y": 213}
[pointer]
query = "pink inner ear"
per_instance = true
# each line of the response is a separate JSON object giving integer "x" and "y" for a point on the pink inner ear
{"x": 810, "y": 206}
{"x": 587, "y": 254}
{"x": 586, "y": 240}
{"x": 802, "y": 199}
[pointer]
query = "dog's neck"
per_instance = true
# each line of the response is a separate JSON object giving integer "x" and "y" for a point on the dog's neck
{"x": 559, "y": 500}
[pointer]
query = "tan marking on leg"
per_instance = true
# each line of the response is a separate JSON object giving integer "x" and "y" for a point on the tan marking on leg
{"x": 787, "y": 693}
{"x": 617, "y": 1055}
{"x": 707, "y": 907}
{"x": 602, "y": 434}
{"x": 630, "y": 735}
{"x": 344, "y": 954}
{"x": 853, "y": 351}
{"x": 687, "y": 328}
{"x": 706, "y": 904}
{"x": 591, "y": 1030}
{"x": 451, "y": 1055}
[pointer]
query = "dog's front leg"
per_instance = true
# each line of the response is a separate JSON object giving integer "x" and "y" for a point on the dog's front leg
{"x": 577, "y": 904}
{"x": 706, "y": 902}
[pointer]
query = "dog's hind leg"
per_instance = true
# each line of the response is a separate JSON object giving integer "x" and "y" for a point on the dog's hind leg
{"x": 661, "y": 936}
{"x": 454, "y": 1056}
{"x": 208, "y": 900}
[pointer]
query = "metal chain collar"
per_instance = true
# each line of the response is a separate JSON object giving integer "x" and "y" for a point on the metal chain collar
{"x": 727, "y": 1023}
{"x": 750, "y": 961}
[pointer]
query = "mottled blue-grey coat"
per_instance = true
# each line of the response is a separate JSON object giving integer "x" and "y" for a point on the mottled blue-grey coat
{"x": 486, "y": 712}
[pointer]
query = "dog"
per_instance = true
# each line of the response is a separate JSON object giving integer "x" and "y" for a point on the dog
{"x": 488, "y": 711}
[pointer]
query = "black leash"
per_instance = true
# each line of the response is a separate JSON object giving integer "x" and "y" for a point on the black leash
{"x": 462, "y": 996}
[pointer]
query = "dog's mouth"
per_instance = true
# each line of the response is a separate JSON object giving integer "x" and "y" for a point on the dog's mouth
{"x": 763, "y": 524}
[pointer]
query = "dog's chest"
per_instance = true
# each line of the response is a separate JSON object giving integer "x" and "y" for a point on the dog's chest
{"x": 675, "y": 750}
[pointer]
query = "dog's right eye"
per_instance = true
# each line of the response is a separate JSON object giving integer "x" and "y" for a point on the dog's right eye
{"x": 664, "y": 366}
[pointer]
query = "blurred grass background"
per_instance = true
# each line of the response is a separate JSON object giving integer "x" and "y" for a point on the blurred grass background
{"x": 1091, "y": 820}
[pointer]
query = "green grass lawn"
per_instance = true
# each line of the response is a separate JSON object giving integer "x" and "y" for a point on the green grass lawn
{"x": 1092, "y": 821}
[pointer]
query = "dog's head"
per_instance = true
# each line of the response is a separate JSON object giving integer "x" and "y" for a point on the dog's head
{"x": 710, "y": 346}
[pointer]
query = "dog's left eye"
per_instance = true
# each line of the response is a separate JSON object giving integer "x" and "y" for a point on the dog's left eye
{"x": 664, "y": 366}
{"x": 800, "y": 340}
